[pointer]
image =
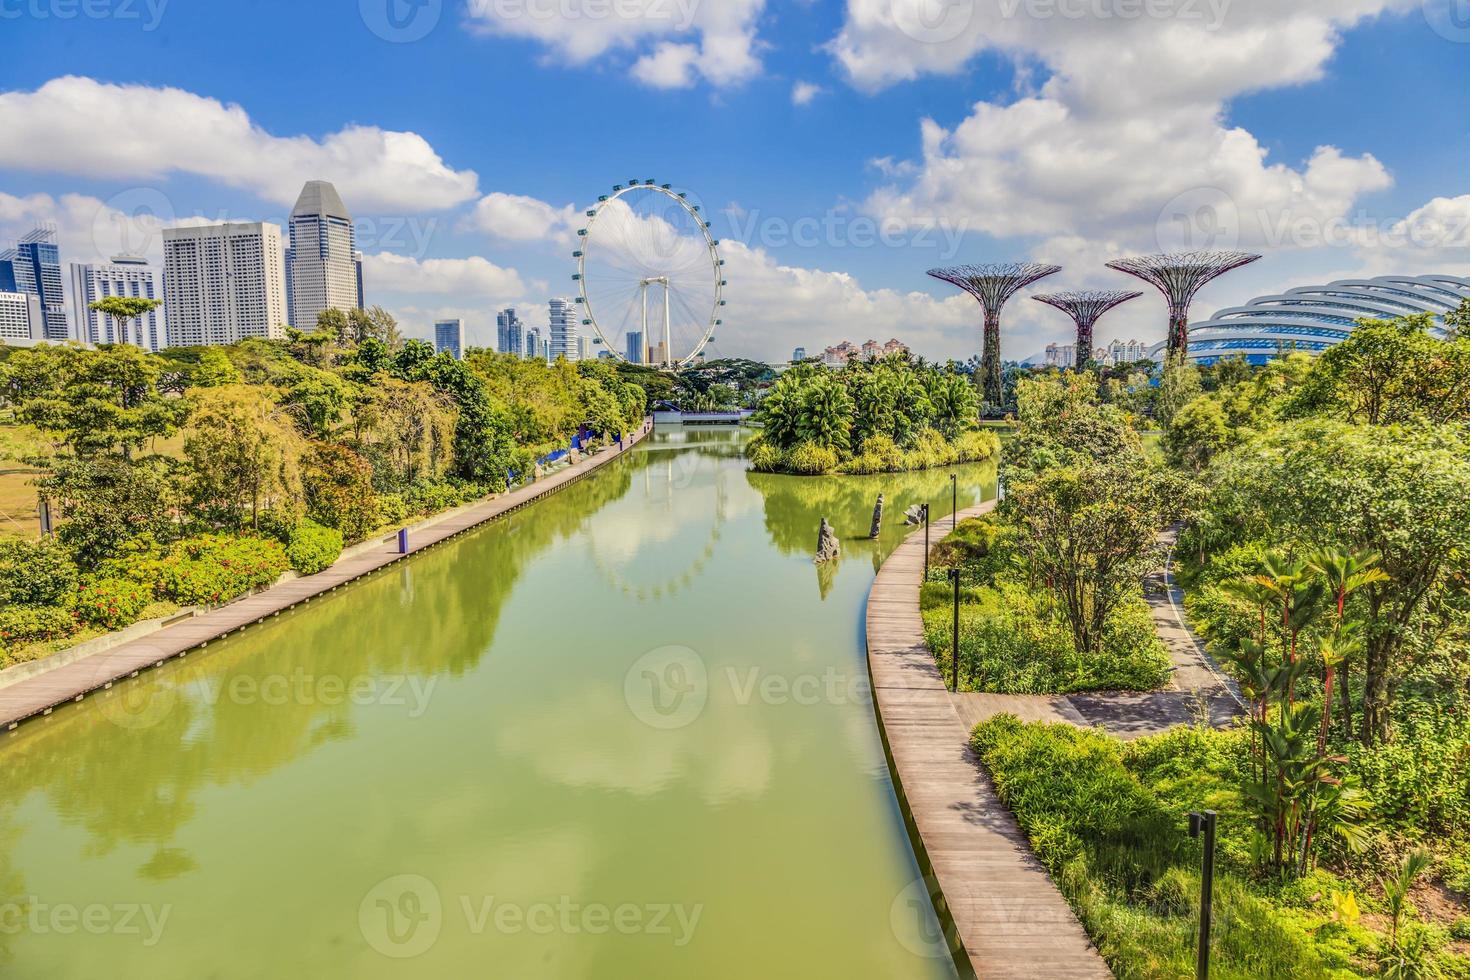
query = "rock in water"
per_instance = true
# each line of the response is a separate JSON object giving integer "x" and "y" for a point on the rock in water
{"x": 877, "y": 518}
{"x": 827, "y": 546}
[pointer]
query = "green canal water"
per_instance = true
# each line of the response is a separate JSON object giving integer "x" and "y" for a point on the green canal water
{"x": 625, "y": 733}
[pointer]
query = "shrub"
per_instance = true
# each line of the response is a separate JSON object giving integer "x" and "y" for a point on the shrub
{"x": 35, "y": 573}
{"x": 112, "y": 603}
{"x": 1011, "y": 642}
{"x": 313, "y": 548}
{"x": 810, "y": 459}
{"x": 20, "y": 625}
{"x": 339, "y": 490}
{"x": 392, "y": 508}
{"x": 977, "y": 447}
{"x": 880, "y": 455}
{"x": 213, "y": 569}
{"x": 1123, "y": 859}
{"x": 764, "y": 457}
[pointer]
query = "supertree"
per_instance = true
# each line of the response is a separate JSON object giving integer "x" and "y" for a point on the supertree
{"x": 993, "y": 286}
{"x": 1180, "y": 276}
{"x": 1086, "y": 308}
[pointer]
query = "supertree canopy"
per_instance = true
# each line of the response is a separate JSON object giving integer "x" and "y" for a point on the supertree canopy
{"x": 993, "y": 286}
{"x": 1180, "y": 276}
{"x": 1086, "y": 307}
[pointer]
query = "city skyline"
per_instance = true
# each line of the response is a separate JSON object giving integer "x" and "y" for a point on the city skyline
{"x": 1286, "y": 150}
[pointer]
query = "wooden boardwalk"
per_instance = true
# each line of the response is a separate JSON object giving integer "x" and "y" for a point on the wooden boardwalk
{"x": 1010, "y": 919}
{"x": 41, "y": 694}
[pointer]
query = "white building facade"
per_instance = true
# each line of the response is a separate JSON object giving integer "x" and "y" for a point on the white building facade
{"x": 125, "y": 275}
{"x": 223, "y": 283}
{"x": 21, "y": 320}
{"x": 566, "y": 318}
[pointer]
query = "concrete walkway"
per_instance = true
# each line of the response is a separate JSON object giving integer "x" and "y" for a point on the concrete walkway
{"x": 39, "y": 695}
{"x": 1007, "y": 915}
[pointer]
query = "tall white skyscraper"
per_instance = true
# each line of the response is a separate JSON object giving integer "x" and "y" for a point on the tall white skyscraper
{"x": 566, "y": 318}
{"x": 125, "y": 275}
{"x": 222, "y": 283}
{"x": 324, "y": 269}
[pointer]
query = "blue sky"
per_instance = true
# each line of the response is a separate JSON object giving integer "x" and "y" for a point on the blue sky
{"x": 1319, "y": 132}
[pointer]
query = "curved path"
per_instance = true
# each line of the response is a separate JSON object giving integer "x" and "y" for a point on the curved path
{"x": 1008, "y": 916}
{"x": 39, "y": 694}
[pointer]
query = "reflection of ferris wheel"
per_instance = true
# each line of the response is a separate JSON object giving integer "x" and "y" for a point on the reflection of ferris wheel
{"x": 646, "y": 238}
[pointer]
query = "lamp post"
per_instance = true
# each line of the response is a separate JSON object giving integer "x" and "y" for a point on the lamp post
{"x": 926, "y": 542}
{"x": 954, "y": 650}
{"x": 1203, "y": 823}
{"x": 954, "y": 500}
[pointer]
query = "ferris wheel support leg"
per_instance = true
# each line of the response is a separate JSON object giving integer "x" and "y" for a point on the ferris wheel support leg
{"x": 668, "y": 339}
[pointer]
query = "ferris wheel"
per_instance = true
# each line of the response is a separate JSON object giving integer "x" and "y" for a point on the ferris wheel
{"x": 650, "y": 275}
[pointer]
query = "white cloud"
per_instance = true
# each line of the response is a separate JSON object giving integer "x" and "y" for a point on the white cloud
{"x": 517, "y": 218}
{"x": 675, "y": 41}
{"x": 802, "y": 93}
{"x": 474, "y": 276}
{"x": 80, "y": 126}
{"x": 1125, "y": 138}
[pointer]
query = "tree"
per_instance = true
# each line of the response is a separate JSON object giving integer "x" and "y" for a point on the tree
{"x": 95, "y": 402}
{"x": 106, "y": 502}
{"x": 1085, "y": 528}
{"x": 826, "y": 414}
{"x": 244, "y": 458}
{"x": 1179, "y": 385}
{"x": 1198, "y": 433}
{"x": 374, "y": 323}
{"x": 339, "y": 490}
{"x": 124, "y": 310}
{"x": 1400, "y": 492}
{"x": 410, "y": 426}
{"x": 1390, "y": 371}
{"x": 214, "y": 369}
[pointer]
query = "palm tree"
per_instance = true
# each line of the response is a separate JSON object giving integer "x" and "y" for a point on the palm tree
{"x": 1344, "y": 573}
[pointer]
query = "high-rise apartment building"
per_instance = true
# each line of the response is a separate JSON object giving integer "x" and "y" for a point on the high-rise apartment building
{"x": 125, "y": 275}
{"x": 20, "y": 316}
{"x": 324, "y": 261}
{"x": 636, "y": 353}
{"x": 34, "y": 267}
{"x": 565, "y": 320}
{"x": 223, "y": 283}
{"x": 509, "y": 333}
{"x": 449, "y": 336}
{"x": 533, "y": 343}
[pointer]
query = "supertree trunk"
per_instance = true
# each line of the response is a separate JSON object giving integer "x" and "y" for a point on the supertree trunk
{"x": 1178, "y": 333}
{"x": 990, "y": 360}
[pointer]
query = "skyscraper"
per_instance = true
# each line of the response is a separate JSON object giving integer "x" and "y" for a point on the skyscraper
{"x": 565, "y": 318}
{"x": 449, "y": 336}
{"x": 125, "y": 275}
{"x": 361, "y": 292}
{"x": 533, "y": 343}
{"x": 34, "y": 267}
{"x": 635, "y": 353}
{"x": 222, "y": 283}
{"x": 324, "y": 268}
{"x": 508, "y": 333}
